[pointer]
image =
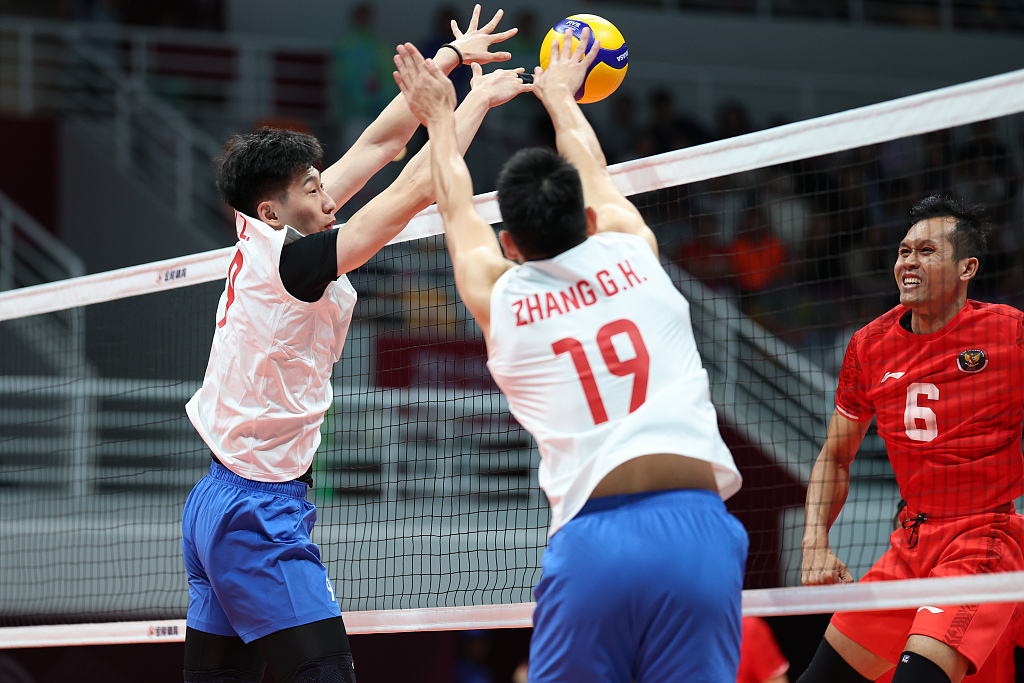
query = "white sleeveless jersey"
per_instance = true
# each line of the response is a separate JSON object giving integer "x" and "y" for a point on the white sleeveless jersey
{"x": 267, "y": 385}
{"x": 595, "y": 353}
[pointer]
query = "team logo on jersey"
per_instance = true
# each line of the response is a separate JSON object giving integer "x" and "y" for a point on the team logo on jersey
{"x": 972, "y": 360}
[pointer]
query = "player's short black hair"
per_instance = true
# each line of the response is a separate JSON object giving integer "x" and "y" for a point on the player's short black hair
{"x": 259, "y": 165}
{"x": 970, "y": 235}
{"x": 541, "y": 201}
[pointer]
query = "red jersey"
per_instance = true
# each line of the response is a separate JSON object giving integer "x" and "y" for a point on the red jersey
{"x": 760, "y": 657}
{"x": 950, "y": 405}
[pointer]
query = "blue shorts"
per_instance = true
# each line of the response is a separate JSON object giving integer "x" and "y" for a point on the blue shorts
{"x": 252, "y": 567}
{"x": 644, "y": 587}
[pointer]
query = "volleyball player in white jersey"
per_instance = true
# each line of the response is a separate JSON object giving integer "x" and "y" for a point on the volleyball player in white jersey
{"x": 591, "y": 343}
{"x": 259, "y": 595}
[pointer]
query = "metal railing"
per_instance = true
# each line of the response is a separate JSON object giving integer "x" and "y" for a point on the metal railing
{"x": 29, "y": 255}
{"x": 398, "y": 445}
{"x": 70, "y": 70}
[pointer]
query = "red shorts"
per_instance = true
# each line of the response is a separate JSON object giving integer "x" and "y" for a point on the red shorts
{"x": 949, "y": 546}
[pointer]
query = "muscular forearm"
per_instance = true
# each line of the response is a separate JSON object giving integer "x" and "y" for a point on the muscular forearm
{"x": 379, "y": 143}
{"x": 387, "y": 214}
{"x": 460, "y": 131}
{"x": 453, "y": 185}
{"x": 827, "y": 490}
{"x": 574, "y": 136}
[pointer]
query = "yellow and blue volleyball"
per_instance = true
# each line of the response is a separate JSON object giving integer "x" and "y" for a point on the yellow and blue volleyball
{"x": 608, "y": 70}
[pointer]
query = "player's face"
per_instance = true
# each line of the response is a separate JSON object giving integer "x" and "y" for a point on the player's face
{"x": 926, "y": 273}
{"x": 307, "y": 207}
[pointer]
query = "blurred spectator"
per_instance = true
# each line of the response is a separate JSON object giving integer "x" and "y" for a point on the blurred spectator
{"x": 521, "y": 674}
{"x": 670, "y": 130}
{"x": 788, "y": 214}
{"x": 441, "y": 33}
{"x": 704, "y": 256}
{"x": 619, "y": 137}
{"x": 823, "y": 248}
{"x": 761, "y": 660}
{"x": 362, "y": 73}
{"x": 733, "y": 120}
{"x": 867, "y": 264}
{"x": 937, "y": 177}
{"x": 726, "y": 197}
{"x": 759, "y": 258}
{"x": 520, "y": 117}
{"x": 525, "y": 45}
{"x": 900, "y": 158}
{"x": 890, "y": 213}
{"x": 984, "y": 172}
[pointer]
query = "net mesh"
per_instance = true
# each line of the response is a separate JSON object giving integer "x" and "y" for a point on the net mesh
{"x": 782, "y": 241}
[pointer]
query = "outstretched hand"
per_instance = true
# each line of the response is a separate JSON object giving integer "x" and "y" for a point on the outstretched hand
{"x": 500, "y": 86}
{"x": 428, "y": 92}
{"x": 568, "y": 66}
{"x": 475, "y": 42}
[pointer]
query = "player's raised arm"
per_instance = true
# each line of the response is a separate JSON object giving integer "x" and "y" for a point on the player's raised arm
{"x": 476, "y": 255}
{"x": 826, "y": 494}
{"x": 576, "y": 140}
{"x": 389, "y": 212}
{"x": 388, "y": 134}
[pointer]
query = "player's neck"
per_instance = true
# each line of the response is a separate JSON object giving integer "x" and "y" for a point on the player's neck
{"x": 932, "y": 319}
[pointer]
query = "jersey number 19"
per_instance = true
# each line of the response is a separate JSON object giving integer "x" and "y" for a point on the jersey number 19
{"x": 638, "y": 366}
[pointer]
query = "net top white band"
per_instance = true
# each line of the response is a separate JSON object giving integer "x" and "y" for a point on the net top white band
{"x": 910, "y": 593}
{"x": 956, "y": 105}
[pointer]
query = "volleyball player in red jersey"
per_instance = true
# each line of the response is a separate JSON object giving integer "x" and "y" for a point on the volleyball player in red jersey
{"x": 944, "y": 375}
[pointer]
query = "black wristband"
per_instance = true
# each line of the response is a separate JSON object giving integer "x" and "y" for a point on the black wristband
{"x": 457, "y": 51}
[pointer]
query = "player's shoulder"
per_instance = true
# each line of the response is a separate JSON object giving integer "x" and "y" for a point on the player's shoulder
{"x": 983, "y": 309}
{"x": 1008, "y": 321}
{"x": 880, "y": 326}
{"x": 627, "y": 243}
{"x": 616, "y": 237}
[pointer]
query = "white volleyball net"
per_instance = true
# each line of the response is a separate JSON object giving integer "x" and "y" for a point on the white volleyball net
{"x": 430, "y": 516}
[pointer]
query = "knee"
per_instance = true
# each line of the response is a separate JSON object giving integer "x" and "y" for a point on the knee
{"x": 332, "y": 669}
{"x": 916, "y": 668}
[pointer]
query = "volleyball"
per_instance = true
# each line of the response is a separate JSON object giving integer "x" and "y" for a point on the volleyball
{"x": 608, "y": 70}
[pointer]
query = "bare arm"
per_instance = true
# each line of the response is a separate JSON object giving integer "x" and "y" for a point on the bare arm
{"x": 390, "y": 132}
{"x": 577, "y": 141}
{"x": 387, "y": 214}
{"x": 476, "y": 256}
{"x": 826, "y": 494}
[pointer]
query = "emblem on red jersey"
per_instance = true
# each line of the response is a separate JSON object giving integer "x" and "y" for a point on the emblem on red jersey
{"x": 972, "y": 360}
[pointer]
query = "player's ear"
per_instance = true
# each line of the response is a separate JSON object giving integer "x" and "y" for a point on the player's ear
{"x": 266, "y": 211}
{"x": 508, "y": 246}
{"x": 591, "y": 221}
{"x": 968, "y": 268}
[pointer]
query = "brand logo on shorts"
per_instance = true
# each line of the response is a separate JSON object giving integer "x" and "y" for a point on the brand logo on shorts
{"x": 933, "y": 610}
{"x": 972, "y": 360}
{"x": 958, "y": 627}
